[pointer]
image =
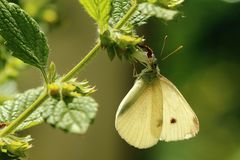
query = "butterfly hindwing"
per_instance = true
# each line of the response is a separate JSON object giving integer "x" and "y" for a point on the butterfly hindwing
{"x": 179, "y": 120}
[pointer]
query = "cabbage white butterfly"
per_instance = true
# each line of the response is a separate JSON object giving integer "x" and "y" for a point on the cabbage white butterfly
{"x": 154, "y": 110}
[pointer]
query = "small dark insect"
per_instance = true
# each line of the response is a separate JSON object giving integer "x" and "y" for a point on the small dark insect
{"x": 173, "y": 120}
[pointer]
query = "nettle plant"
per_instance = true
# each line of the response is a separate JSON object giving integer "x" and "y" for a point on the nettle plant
{"x": 63, "y": 101}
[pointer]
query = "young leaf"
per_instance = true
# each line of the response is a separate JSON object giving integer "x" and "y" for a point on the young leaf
{"x": 22, "y": 35}
{"x": 99, "y": 10}
{"x": 74, "y": 116}
{"x": 104, "y": 8}
{"x": 11, "y": 109}
{"x": 91, "y": 8}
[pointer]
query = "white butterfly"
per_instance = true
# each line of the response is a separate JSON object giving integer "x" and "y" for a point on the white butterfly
{"x": 153, "y": 111}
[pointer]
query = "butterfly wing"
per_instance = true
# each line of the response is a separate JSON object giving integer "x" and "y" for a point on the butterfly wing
{"x": 139, "y": 116}
{"x": 179, "y": 120}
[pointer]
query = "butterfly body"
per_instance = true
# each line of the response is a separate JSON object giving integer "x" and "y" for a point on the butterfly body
{"x": 155, "y": 110}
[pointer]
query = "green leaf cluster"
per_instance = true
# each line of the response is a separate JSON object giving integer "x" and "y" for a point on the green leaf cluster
{"x": 145, "y": 10}
{"x": 124, "y": 41}
{"x": 69, "y": 107}
{"x": 12, "y": 147}
{"x": 23, "y": 35}
{"x": 120, "y": 43}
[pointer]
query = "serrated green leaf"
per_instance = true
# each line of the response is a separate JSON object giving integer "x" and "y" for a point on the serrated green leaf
{"x": 119, "y": 9}
{"x": 74, "y": 116}
{"x": 144, "y": 11}
{"x": 99, "y": 10}
{"x": 104, "y": 14}
{"x": 11, "y": 109}
{"x": 23, "y": 35}
{"x": 147, "y": 10}
{"x": 91, "y": 7}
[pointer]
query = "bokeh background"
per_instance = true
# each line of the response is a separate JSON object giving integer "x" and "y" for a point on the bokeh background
{"x": 206, "y": 71}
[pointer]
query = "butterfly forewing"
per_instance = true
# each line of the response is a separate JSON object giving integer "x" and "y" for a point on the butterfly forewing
{"x": 139, "y": 121}
{"x": 179, "y": 120}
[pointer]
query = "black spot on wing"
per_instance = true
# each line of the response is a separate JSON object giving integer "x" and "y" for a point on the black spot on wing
{"x": 173, "y": 121}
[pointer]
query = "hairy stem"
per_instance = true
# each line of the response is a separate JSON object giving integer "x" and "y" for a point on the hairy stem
{"x": 15, "y": 123}
{"x": 93, "y": 52}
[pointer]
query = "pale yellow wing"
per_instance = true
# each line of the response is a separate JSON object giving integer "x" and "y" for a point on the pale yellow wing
{"x": 139, "y": 116}
{"x": 179, "y": 120}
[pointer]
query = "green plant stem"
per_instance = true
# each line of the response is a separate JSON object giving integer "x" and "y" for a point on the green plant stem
{"x": 15, "y": 123}
{"x": 93, "y": 52}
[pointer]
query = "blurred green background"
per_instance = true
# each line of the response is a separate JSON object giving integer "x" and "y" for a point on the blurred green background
{"x": 206, "y": 71}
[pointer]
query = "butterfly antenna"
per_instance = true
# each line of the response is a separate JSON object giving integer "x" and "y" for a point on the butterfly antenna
{"x": 176, "y": 50}
{"x": 164, "y": 44}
